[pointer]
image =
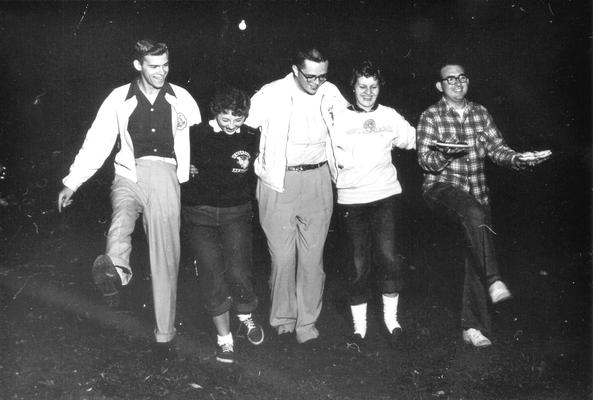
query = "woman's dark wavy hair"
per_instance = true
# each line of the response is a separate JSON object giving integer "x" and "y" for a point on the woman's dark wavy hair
{"x": 367, "y": 69}
{"x": 232, "y": 100}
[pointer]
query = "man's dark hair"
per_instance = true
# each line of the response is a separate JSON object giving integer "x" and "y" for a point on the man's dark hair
{"x": 310, "y": 53}
{"x": 148, "y": 47}
{"x": 368, "y": 69}
{"x": 231, "y": 100}
{"x": 444, "y": 64}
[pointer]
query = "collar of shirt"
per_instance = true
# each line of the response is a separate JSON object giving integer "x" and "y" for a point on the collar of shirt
{"x": 354, "y": 107}
{"x": 135, "y": 90}
{"x": 444, "y": 106}
{"x": 216, "y": 127}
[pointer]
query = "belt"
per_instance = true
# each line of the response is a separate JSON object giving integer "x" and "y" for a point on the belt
{"x": 305, "y": 167}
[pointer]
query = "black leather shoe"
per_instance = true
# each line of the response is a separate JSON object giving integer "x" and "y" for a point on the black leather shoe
{"x": 355, "y": 343}
{"x": 285, "y": 342}
{"x": 107, "y": 280}
{"x": 163, "y": 351}
{"x": 395, "y": 337}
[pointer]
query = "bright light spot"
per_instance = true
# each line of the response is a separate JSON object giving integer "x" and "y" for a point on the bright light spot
{"x": 242, "y": 25}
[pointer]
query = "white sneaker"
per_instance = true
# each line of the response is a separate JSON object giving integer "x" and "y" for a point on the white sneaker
{"x": 474, "y": 337}
{"x": 499, "y": 292}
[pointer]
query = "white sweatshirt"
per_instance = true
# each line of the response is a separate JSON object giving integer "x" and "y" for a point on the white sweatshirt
{"x": 363, "y": 143}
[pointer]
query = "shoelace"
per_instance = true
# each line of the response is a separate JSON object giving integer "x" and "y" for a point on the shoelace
{"x": 227, "y": 348}
{"x": 249, "y": 324}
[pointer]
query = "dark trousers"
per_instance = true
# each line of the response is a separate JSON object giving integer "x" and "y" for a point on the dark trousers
{"x": 371, "y": 232}
{"x": 481, "y": 267}
{"x": 221, "y": 242}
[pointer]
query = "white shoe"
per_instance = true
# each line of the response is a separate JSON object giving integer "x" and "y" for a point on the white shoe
{"x": 499, "y": 292}
{"x": 474, "y": 337}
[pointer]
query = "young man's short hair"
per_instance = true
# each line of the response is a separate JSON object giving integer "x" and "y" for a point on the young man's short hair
{"x": 148, "y": 47}
{"x": 310, "y": 53}
{"x": 446, "y": 63}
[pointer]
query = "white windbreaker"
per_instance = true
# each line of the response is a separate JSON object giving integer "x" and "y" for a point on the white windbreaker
{"x": 112, "y": 120}
{"x": 270, "y": 111}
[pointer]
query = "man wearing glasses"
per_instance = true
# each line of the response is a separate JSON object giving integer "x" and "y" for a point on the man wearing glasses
{"x": 294, "y": 189}
{"x": 454, "y": 137}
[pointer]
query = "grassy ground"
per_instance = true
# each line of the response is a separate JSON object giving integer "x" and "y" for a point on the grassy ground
{"x": 60, "y": 342}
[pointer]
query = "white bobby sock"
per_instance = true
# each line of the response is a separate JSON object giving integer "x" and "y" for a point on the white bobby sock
{"x": 227, "y": 339}
{"x": 390, "y": 312}
{"x": 359, "y": 317}
{"x": 243, "y": 317}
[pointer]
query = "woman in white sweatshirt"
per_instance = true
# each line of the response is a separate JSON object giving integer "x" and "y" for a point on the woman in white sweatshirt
{"x": 369, "y": 196}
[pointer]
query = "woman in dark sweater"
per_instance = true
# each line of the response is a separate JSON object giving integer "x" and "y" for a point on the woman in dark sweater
{"x": 217, "y": 210}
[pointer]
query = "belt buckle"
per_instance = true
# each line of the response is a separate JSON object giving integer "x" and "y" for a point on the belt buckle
{"x": 299, "y": 168}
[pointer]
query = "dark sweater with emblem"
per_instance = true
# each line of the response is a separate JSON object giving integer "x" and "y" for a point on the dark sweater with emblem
{"x": 225, "y": 173}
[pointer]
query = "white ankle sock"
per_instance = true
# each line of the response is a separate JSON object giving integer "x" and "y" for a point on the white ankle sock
{"x": 390, "y": 312}
{"x": 227, "y": 339}
{"x": 359, "y": 317}
{"x": 243, "y": 317}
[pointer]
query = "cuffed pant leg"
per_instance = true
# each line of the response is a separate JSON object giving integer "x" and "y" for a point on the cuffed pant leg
{"x": 313, "y": 220}
{"x": 474, "y": 310}
{"x": 237, "y": 244}
{"x": 126, "y": 204}
{"x": 278, "y": 223}
{"x": 480, "y": 262}
{"x": 388, "y": 258}
{"x": 357, "y": 227}
{"x": 162, "y": 225}
{"x": 206, "y": 245}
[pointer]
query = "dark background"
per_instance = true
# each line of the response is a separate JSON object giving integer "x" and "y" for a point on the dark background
{"x": 529, "y": 64}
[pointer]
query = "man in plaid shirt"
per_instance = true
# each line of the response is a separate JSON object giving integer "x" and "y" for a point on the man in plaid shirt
{"x": 454, "y": 137}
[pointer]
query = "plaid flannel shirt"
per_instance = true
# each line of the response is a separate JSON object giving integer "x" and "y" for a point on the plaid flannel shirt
{"x": 441, "y": 123}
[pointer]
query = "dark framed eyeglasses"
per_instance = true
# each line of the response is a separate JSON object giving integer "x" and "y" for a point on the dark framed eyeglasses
{"x": 311, "y": 78}
{"x": 452, "y": 80}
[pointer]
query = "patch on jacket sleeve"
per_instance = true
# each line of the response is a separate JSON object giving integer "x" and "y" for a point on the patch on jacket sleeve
{"x": 181, "y": 121}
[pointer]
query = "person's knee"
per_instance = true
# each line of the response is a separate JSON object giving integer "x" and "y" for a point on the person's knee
{"x": 476, "y": 216}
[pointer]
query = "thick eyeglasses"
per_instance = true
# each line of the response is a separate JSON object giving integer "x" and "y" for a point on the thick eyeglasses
{"x": 452, "y": 80}
{"x": 311, "y": 78}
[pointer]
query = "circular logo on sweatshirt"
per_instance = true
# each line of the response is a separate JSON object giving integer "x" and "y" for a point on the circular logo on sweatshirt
{"x": 369, "y": 125}
{"x": 181, "y": 121}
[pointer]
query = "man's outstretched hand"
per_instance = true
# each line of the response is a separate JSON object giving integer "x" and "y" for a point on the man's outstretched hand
{"x": 65, "y": 198}
{"x": 531, "y": 158}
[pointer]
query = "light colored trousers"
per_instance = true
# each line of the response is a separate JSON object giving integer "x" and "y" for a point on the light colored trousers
{"x": 156, "y": 197}
{"x": 296, "y": 223}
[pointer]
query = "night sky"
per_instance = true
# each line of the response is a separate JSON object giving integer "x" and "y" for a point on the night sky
{"x": 529, "y": 64}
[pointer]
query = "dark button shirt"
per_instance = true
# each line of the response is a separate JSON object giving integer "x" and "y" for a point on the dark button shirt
{"x": 150, "y": 124}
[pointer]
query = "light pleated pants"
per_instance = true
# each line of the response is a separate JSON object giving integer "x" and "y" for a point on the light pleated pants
{"x": 296, "y": 223}
{"x": 156, "y": 197}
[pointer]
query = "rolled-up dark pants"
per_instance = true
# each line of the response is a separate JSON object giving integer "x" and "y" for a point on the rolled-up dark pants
{"x": 220, "y": 239}
{"x": 481, "y": 267}
{"x": 371, "y": 230}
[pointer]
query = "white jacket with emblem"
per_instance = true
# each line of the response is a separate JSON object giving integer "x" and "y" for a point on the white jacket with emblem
{"x": 271, "y": 108}
{"x": 112, "y": 120}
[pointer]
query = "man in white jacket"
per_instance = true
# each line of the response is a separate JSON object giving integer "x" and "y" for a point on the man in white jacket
{"x": 152, "y": 119}
{"x": 294, "y": 189}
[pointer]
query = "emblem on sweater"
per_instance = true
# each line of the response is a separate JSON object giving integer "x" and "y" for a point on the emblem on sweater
{"x": 181, "y": 121}
{"x": 242, "y": 158}
{"x": 369, "y": 126}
